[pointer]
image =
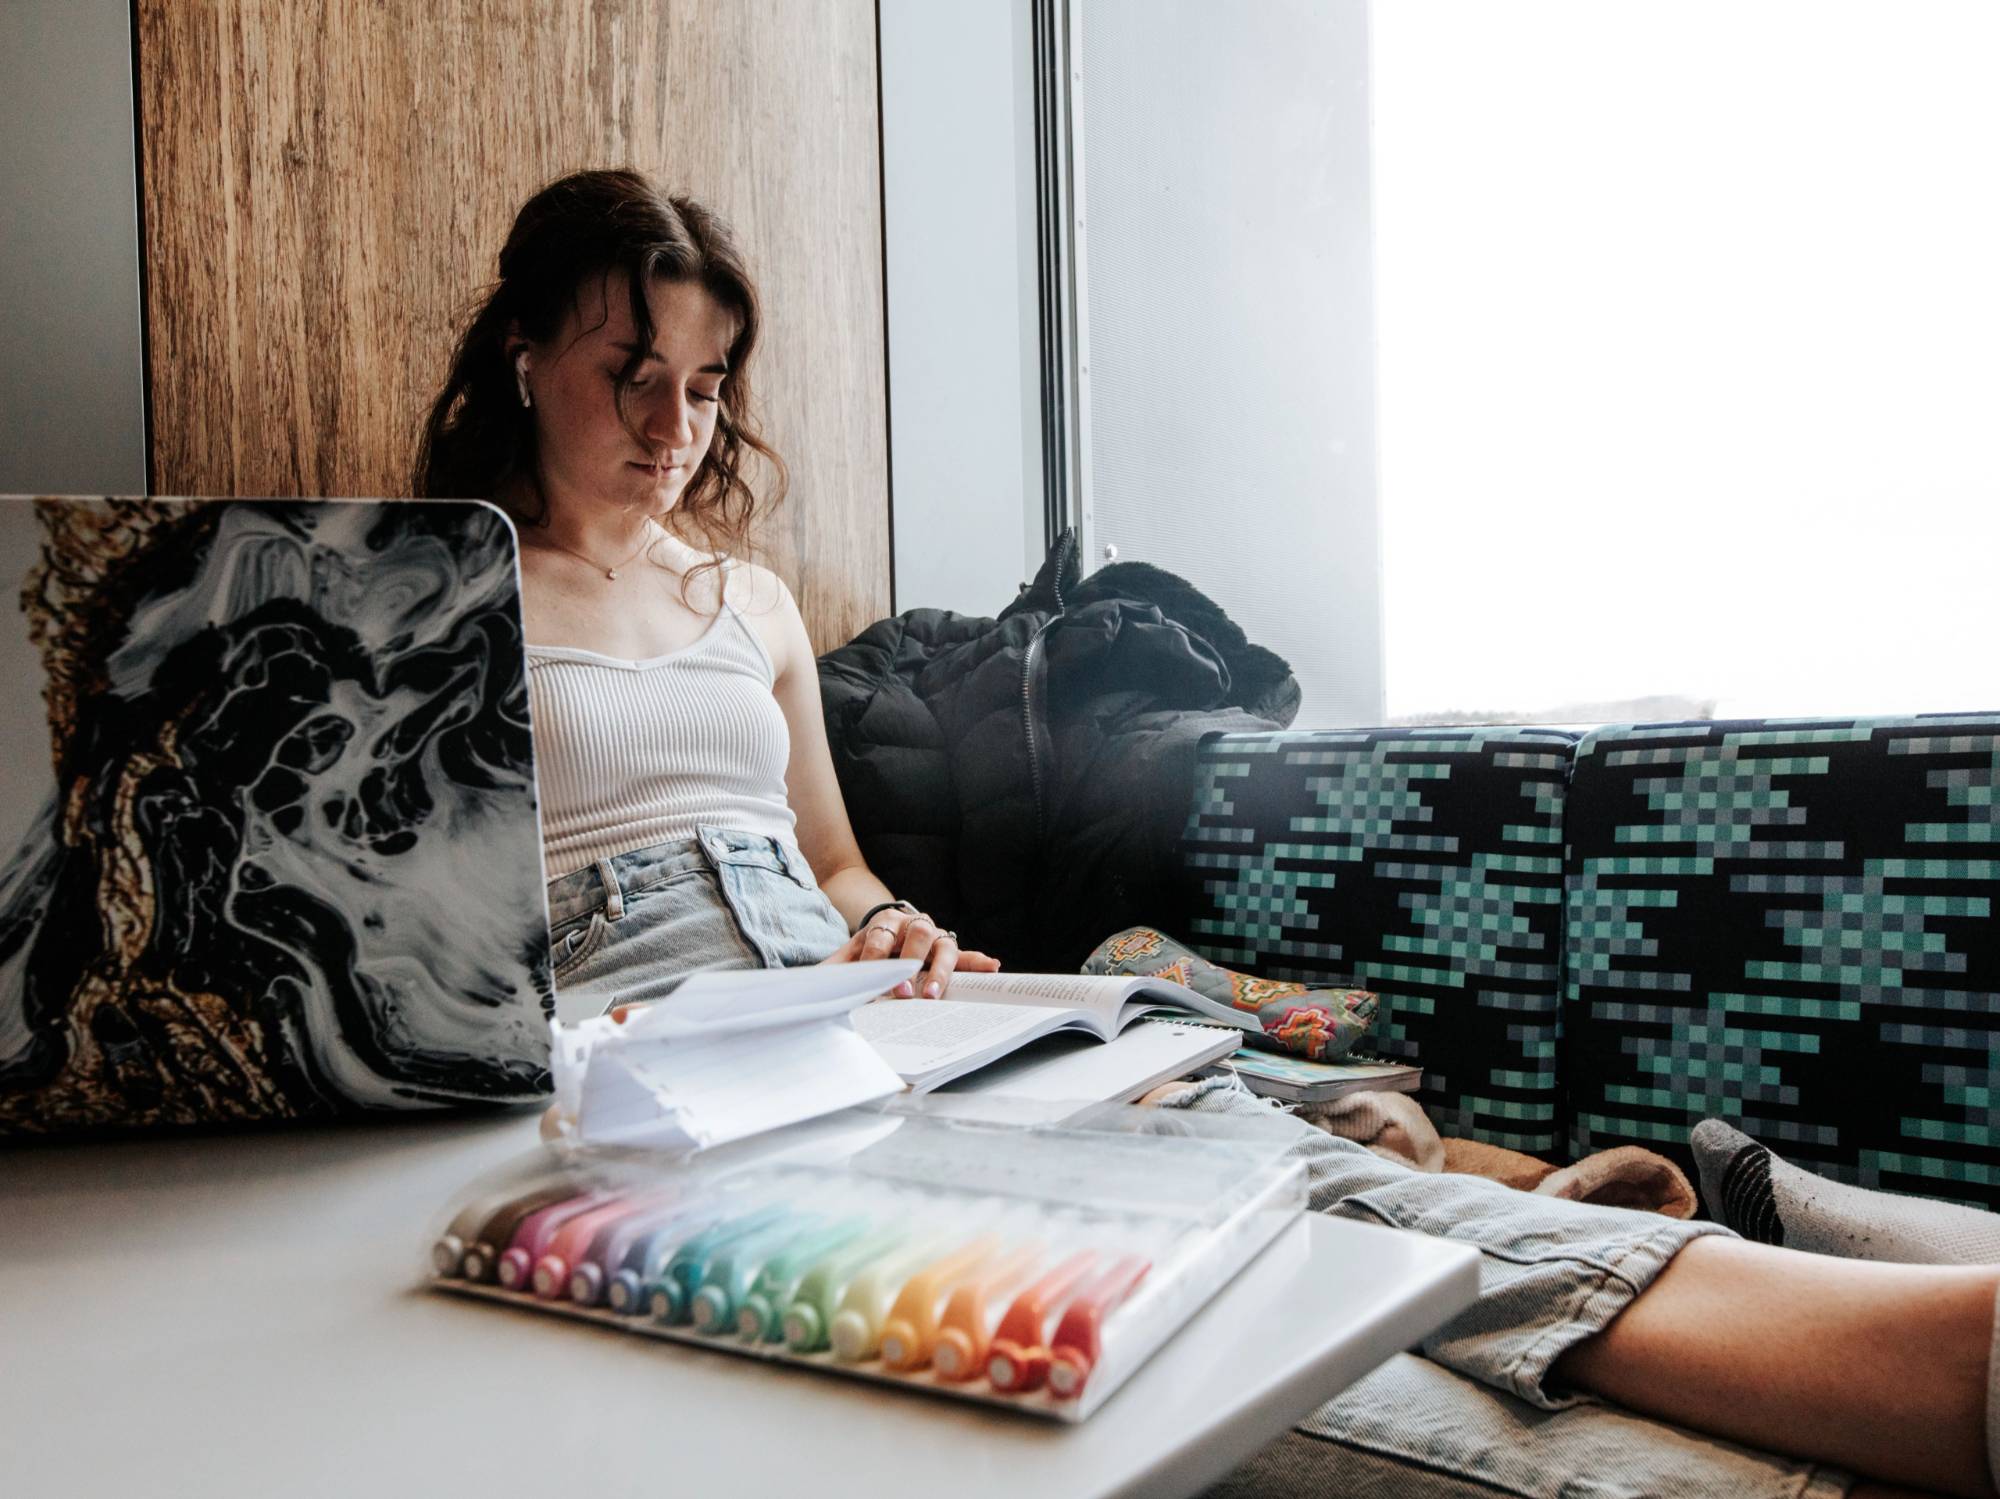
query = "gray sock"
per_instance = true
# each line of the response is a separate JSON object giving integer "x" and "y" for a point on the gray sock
{"x": 1774, "y": 1202}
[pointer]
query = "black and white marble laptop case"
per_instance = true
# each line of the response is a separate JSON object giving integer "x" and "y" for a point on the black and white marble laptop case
{"x": 267, "y": 813}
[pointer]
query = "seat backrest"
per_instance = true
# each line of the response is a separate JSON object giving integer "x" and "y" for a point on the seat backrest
{"x": 1425, "y": 864}
{"x": 1790, "y": 923}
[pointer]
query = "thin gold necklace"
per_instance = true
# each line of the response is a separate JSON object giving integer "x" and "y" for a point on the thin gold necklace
{"x": 609, "y": 572}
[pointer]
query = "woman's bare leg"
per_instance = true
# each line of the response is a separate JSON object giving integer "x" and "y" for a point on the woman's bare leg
{"x": 1878, "y": 1368}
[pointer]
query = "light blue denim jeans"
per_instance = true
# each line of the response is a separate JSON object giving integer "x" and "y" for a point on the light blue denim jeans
{"x": 633, "y": 927}
{"x": 1479, "y": 1413}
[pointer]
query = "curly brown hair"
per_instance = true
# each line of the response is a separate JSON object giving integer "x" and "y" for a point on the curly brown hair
{"x": 479, "y": 441}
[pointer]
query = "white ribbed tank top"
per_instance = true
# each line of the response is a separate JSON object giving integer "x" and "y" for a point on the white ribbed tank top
{"x": 633, "y": 753}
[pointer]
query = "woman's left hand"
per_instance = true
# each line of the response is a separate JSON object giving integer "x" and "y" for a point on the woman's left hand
{"x": 899, "y": 934}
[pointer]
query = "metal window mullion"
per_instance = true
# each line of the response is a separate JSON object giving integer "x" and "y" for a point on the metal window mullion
{"x": 1078, "y": 347}
{"x": 1047, "y": 73}
{"x": 1065, "y": 364}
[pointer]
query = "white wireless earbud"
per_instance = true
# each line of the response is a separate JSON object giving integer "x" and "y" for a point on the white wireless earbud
{"x": 521, "y": 377}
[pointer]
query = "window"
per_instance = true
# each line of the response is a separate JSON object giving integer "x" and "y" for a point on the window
{"x": 1682, "y": 321}
{"x": 1690, "y": 358}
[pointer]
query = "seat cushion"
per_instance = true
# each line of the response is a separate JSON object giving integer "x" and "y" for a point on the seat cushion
{"x": 1416, "y": 1430}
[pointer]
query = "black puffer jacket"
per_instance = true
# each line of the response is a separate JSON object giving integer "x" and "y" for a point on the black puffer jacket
{"x": 1024, "y": 778}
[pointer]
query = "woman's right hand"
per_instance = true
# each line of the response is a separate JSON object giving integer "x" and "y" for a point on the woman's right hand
{"x": 899, "y": 934}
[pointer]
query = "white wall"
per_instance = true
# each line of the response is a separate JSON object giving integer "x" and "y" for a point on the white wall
{"x": 72, "y": 417}
{"x": 959, "y": 227}
{"x": 1228, "y": 302}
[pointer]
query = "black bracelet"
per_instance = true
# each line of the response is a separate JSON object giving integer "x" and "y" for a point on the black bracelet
{"x": 888, "y": 905}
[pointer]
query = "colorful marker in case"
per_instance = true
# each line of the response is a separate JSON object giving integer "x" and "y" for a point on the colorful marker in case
{"x": 712, "y": 1307}
{"x": 588, "y": 1281}
{"x": 760, "y": 1313}
{"x": 668, "y": 1295}
{"x": 817, "y": 1296}
{"x": 856, "y": 1329}
{"x": 448, "y": 1253}
{"x": 909, "y": 1332}
{"x": 531, "y": 1239}
{"x": 965, "y": 1329}
{"x": 809, "y": 1321}
{"x": 646, "y": 1260}
{"x": 1078, "y": 1341}
{"x": 550, "y": 1276}
{"x": 1018, "y": 1360}
{"x": 498, "y": 1231}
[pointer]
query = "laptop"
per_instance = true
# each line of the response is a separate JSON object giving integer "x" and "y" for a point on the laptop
{"x": 268, "y": 845}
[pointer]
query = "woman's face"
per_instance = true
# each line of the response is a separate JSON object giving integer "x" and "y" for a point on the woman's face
{"x": 589, "y": 457}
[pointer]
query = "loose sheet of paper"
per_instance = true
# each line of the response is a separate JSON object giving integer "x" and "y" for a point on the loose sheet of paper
{"x": 712, "y": 1003}
{"x": 707, "y": 1092}
{"x": 728, "y": 1055}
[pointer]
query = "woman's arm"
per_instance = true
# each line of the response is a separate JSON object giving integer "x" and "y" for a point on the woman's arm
{"x": 826, "y": 836}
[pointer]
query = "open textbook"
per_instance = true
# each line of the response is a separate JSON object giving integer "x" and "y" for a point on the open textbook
{"x": 732, "y": 1054}
{"x": 988, "y": 1015}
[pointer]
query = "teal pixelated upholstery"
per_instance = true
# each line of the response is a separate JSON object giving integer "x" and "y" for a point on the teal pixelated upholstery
{"x": 1424, "y": 864}
{"x": 1790, "y": 923}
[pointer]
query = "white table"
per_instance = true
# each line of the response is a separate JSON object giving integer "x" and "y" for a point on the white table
{"x": 243, "y": 1315}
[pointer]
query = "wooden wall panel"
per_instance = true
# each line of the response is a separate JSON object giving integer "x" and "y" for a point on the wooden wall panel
{"x": 326, "y": 184}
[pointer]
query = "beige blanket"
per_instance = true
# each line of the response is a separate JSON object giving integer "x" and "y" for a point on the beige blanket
{"x": 1394, "y": 1126}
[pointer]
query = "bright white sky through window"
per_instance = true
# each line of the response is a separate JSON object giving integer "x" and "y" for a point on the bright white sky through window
{"x": 1689, "y": 354}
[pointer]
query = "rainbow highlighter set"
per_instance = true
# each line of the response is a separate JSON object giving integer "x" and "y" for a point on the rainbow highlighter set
{"x": 954, "y": 1247}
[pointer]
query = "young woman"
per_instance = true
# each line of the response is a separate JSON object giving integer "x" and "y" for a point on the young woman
{"x": 693, "y": 820}
{"x": 691, "y": 816}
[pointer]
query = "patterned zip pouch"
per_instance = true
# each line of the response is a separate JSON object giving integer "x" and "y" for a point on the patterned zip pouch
{"x": 1317, "y": 1024}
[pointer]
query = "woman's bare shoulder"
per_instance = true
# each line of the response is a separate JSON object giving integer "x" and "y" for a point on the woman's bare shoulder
{"x": 753, "y": 588}
{"x": 767, "y": 607}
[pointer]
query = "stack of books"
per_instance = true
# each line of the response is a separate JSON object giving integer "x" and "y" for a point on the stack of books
{"x": 1295, "y": 1080}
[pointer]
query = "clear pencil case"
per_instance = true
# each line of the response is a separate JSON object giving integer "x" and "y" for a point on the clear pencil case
{"x": 957, "y": 1246}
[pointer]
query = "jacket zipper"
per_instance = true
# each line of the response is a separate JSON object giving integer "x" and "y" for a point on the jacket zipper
{"x": 1028, "y": 698}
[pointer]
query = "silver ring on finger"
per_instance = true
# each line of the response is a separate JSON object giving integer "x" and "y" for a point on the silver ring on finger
{"x": 887, "y": 931}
